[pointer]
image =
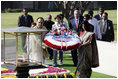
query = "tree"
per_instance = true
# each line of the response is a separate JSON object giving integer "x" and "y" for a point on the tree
{"x": 67, "y": 7}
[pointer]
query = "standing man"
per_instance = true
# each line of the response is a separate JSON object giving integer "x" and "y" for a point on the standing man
{"x": 74, "y": 25}
{"x": 99, "y": 16}
{"x": 106, "y": 28}
{"x": 94, "y": 22}
{"x": 75, "y": 21}
{"x": 48, "y": 24}
{"x": 24, "y": 20}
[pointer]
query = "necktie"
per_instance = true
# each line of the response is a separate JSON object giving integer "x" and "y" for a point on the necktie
{"x": 26, "y": 18}
{"x": 26, "y": 21}
{"x": 76, "y": 23}
{"x": 104, "y": 26}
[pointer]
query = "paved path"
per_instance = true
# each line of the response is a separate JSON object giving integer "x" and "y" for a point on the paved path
{"x": 107, "y": 58}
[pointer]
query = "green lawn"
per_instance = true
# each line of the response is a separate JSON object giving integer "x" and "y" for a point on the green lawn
{"x": 68, "y": 64}
{"x": 10, "y": 19}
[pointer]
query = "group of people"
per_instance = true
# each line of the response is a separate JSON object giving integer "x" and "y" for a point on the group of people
{"x": 87, "y": 27}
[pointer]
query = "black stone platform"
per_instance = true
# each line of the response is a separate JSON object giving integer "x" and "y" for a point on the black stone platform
{"x": 22, "y": 71}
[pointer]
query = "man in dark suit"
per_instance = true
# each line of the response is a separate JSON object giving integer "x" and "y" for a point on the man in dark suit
{"x": 99, "y": 16}
{"x": 106, "y": 28}
{"x": 48, "y": 24}
{"x": 24, "y": 20}
{"x": 75, "y": 21}
{"x": 74, "y": 25}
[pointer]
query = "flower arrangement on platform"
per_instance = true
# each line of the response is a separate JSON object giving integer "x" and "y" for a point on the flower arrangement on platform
{"x": 51, "y": 72}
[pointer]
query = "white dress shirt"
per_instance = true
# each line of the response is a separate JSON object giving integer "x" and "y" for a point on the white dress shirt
{"x": 100, "y": 16}
{"x": 97, "y": 32}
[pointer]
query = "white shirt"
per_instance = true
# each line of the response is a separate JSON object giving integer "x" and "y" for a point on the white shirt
{"x": 97, "y": 32}
{"x": 100, "y": 16}
{"x": 57, "y": 26}
{"x": 77, "y": 20}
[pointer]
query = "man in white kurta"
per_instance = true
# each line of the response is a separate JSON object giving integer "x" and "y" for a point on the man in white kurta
{"x": 94, "y": 22}
{"x": 36, "y": 42}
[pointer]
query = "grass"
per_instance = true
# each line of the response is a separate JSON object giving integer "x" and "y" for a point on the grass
{"x": 68, "y": 64}
{"x": 10, "y": 19}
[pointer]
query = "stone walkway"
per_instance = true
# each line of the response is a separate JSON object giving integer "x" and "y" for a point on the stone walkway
{"x": 107, "y": 58}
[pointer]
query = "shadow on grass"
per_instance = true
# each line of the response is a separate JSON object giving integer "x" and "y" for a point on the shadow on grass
{"x": 67, "y": 65}
{"x": 68, "y": 59}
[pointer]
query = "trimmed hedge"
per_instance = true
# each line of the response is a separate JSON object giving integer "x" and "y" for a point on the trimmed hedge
{"x": 9, "y": 10}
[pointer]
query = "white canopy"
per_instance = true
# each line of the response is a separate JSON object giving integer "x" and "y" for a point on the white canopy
{"x": 23, "y": 30}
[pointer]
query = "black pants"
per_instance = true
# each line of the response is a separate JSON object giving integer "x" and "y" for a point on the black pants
{"x": 74, "y": 56}
{"x": 23, "y": 38}
{"x": 107, "y": 38}
{"x": 50, "y": 51}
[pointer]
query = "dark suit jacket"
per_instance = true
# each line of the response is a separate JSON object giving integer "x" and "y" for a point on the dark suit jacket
{"x": 25, "y": 22}
{"x": 97, "y": 17}
{"x": 109, "y": 35}
{"x": 48, "y": 24}
{"x": 72, "y": 24}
